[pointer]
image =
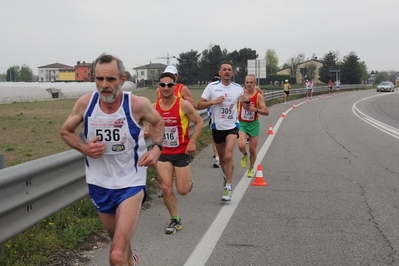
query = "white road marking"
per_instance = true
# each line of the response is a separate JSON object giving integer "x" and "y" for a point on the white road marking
{"x": 392, "y": 131}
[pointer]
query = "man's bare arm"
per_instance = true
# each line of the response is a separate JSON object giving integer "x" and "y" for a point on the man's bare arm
{"x": 194, "y": 117}
{"x": 186, "y": 94}
{"x": 68, "y": 131}
{"x": 143, "y": 111}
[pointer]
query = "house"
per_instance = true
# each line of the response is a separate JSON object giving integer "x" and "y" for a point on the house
{"x": 305, "y": 70}
{"x": 66, "y": 74}
{"x": 50, "y": 73}
{"x": 83, "y": 71}
{"x": 150, "y": 71}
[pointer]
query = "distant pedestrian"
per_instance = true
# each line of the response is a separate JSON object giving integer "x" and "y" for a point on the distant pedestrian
{"x": 337, "y": 85}
{"x": 309, "y": 89}
{"x": 286, "y": 90}
{"x": 330, "y": 84}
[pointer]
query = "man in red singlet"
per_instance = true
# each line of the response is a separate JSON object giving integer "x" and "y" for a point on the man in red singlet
{"x": 177, "y": 114}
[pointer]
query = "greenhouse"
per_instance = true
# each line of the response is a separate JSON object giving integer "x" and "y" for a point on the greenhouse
{"x": 26, "y": 92}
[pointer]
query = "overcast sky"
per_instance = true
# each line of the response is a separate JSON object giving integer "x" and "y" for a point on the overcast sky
{"x": 43, "y": 32}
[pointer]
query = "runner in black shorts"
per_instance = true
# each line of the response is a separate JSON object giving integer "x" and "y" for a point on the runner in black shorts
{"x": 219, "y": 136}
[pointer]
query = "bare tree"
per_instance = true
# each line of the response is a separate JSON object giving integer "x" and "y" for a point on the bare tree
{"x": 311, "y": 73}
{"x": 293, "y": 66}
{"x": 338, "y": 57}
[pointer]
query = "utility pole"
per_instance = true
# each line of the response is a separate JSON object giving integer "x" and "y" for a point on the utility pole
{"x": 167, "y": 58}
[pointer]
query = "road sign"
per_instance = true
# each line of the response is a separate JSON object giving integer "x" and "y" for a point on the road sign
{"x": 257, "y": 67}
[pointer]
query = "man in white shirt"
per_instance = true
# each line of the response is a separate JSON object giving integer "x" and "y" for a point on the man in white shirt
{"x": 222, "y": 98}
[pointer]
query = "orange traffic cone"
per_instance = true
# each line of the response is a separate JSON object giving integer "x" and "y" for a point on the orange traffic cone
{"x": 294, "y": 106}
{"x": 283, "y": 114}
{"x": 346, "y": 92}
{"x": 333, "y": 94}
{"x": 270, "y": 130}
{"x": 259, "y": 181}
{"x": 359, "y": 90}
{"x": 320, "y": 97}
{"x": 307, "y": 100}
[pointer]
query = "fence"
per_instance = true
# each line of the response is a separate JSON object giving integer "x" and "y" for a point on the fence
{"x": 33, "y": 191}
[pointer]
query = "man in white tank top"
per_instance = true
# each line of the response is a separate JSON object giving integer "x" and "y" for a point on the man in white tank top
{"x": 222, "y": 98}
{"x": 115, "y": 150}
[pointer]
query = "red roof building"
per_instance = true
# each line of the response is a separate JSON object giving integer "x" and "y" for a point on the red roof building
{"x": 84, "y": 72}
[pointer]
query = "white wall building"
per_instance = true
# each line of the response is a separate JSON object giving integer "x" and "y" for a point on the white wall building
{"x": 49, "y": 73}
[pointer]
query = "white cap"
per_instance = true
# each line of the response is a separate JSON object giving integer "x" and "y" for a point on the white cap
{"x": 171, "y": 69}
{"x": 286, "y": 80}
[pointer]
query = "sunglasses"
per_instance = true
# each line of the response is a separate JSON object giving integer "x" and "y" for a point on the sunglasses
{"x": 170, "y": 85}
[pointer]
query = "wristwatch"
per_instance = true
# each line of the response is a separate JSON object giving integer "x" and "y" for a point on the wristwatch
{"x": 159, "y": 144}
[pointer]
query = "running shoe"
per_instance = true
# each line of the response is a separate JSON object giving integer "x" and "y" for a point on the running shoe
{"x": 244, "y": 159}
{"x": 251, "y": 172}
{"x": 173, "y": 227}
{"x": 227, "y": 194}
{"x": 216, "y": 164}
{"x": 136, "y": 259}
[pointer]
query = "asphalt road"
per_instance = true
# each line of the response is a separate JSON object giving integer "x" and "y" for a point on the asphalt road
{"x": 332, "y": 196}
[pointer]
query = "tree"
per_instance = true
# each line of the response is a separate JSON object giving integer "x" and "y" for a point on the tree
{"x": 293, "y": 64}
{"x": 329, "y": 60}
{"x": 363, "y": 69}
{"x": 271, "y": 61}
{"x": 311, "y": 70}
{"x": 188, "y": 67}
{"x": 385, "y": 75}
{"x": 17, "y": 74}
{"x": 381, "y": 76}
{"x": 210, "y": 61}
{"x": 128, "y": 76}
{"x": 239, "y": 60}
{"x": 351, "y": 71}
{"x": 286, "y": 65}
{"x": 12, "y": 74}
{"x": 26, "y": 74}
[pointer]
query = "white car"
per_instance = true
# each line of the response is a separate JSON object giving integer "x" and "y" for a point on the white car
{"x": 386, "y": 86}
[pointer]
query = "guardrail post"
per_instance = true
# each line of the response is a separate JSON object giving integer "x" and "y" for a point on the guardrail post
{"x": 2, "y": 165}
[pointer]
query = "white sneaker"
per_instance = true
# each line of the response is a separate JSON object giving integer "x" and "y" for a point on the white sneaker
{"x": 227, "y": 194}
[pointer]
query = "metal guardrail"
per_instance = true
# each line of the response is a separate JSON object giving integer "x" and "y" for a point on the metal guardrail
{"x": 299, "y": 91}
{"x": 33, "y": 191}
